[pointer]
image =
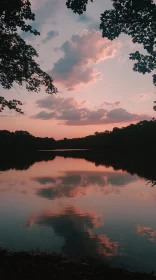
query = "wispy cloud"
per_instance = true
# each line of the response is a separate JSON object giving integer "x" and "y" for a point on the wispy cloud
{"x": 84, "y": 18}
{"x": 50, "y": 35}
{"x": 143, "y": 96}
{"x": 110, "y": 104}
{"x": 44, "y": 10}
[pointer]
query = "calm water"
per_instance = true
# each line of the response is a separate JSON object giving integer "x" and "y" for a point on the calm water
{"x": 74, "y": 207}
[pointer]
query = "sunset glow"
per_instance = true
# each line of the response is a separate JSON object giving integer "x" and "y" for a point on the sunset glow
{"x": 97, "y": 88}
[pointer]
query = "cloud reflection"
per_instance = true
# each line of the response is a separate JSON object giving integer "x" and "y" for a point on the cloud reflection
{"x": 77, "y": 230}
{"x": 147, "y": 231}
{"x": 76, "y": 183}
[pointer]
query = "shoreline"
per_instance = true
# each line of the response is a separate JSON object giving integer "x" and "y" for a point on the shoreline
{"x": 28, "y": 265}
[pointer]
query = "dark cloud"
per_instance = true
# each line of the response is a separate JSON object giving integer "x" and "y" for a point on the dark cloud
{"x": 45, "y": 116}
{"x": 79, "y": 54}
{"x": 94, "y": 179}
{"x": 111, "y": 104}
{"x": 44, "y": 180}
{"x": 76, "y": 229}
{"x": 71, "y": 180}
{"x": 50, "y": 35}
{"x": 57, "y": 103}
{"x": 120, "y": 115}
{"x": 84, "y": 18}
{"x": 96, "y": 115}
{"x": 73, "y": 113}
{"x": 116, "y": 103}
{"x": 121, "y": 179}
{"x": 50, "y": 193}
{"x": 65, "y": 186}
{"x": 44, "y": 12}
{"x": 94, "y": 25}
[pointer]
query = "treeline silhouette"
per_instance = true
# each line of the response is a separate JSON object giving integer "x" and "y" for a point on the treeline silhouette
{"x": 140, "y": 137}
{"x": 24, "y": 160}
{"x": 22, "y": 141}
{"x": 140, "y": 164}
{"x": 135, "y": 137}
{"x": 131, "y": 149}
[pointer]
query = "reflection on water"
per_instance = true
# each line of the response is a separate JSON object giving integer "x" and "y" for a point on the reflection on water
{"x": 78, "y": 183}
{"x": 147, "y": 231}
{"x": 72, "y": 206}
{"x": 77, "y": 230}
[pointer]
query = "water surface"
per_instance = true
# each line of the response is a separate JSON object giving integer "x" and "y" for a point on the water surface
{"x": 72, "y": 206}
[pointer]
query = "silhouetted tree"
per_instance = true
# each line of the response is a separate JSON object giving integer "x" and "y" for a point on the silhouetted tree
{"x": 17, "y": 62}
{"x": 78, "y": 6}
{"x": 23, "y": 141}
{"x": 136, "y": 18}
{"x": 130, "y": 148}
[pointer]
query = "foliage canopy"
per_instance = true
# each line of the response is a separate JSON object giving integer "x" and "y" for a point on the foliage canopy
{"x": 136, "y": 18}
{"x": 17, "y": 58}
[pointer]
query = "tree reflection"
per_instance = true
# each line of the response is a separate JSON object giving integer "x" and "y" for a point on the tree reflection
{"x": 140, "y": 164}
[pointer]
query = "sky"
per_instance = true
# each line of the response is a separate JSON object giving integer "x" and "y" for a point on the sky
{"x": 97, "y": 88}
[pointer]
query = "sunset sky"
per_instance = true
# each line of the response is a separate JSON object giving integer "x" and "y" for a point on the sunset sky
{"x": 97, "y": 88}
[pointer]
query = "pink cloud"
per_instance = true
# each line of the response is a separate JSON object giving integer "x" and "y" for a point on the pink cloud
{"x": 111, "y": 104}
{"x": 70, "y": 112}
{"x": 81, "y": 52}
{"x": 147, "y": 231}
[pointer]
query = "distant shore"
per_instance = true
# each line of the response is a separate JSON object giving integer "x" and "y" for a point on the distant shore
{"x": 37, "y": 265}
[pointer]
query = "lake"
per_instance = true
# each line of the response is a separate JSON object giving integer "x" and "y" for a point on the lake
{"x": 78, "y": 208}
